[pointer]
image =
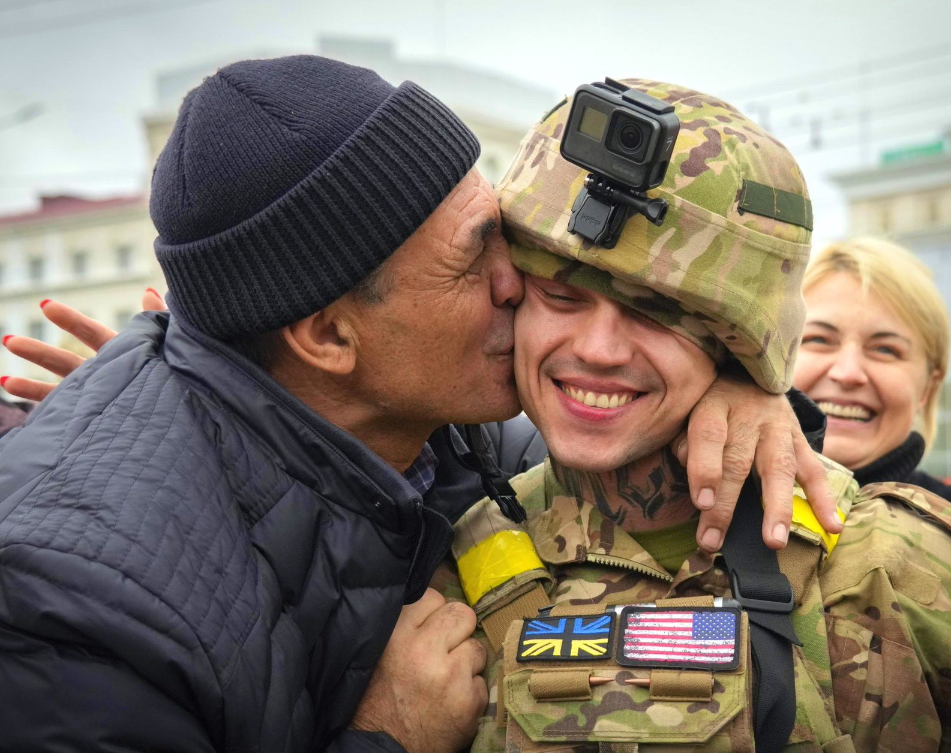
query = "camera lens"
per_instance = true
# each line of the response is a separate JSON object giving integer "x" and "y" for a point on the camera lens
{"x": 630, "y": 137}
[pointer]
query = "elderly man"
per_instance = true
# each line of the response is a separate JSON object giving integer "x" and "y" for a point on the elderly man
{"x": 612, "y": 628}
{"x": 208, "y": 533}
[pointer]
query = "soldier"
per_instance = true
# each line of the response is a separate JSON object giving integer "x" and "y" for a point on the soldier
{"x": 610, "y": 626}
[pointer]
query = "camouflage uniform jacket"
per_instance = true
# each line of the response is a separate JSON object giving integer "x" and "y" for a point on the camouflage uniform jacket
{"x": 874, "y": 670}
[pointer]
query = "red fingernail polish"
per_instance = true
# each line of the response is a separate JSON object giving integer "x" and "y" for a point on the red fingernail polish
{"x": 44, "y": 302}
{"x": 153, "y": 290}
{"x": 3, "y": 381}
{"x": 5, "y": 338}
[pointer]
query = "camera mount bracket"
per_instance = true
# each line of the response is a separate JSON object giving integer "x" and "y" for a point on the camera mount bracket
{"x": 602, "y": 208}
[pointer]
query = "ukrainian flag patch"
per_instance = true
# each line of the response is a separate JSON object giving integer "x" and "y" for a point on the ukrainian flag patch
{"x": 570, "y": 638}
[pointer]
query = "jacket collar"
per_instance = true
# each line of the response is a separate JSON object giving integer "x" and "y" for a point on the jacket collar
{"x": 311, "y": 449}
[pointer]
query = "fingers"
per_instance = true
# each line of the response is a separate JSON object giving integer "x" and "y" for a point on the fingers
{"x": 776, "y": 466}
{"x": 737, "y": 461}
{"x": 27, "y": 389}
{"x": 152, "y": 300}
{"x": 479, "y": 699}
{"x": 412, "y": 616}
{"x": 443, "y": 626}
{"x": 704, "y": 450}
{"x": 812, "y": 477}
{"x": 472, "y": 654}
{"x": 85, "y": 329}
{"x": 679, "y": 448}
{"x": 427, "y": 695}
{"x": 446, "y": 625}
{"x": 451, "y": 625}
{"x": 56, "y": 360}
{"x": 718, "y": 461}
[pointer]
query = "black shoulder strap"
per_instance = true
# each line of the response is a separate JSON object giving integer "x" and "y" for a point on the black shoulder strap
{"x": 479, "y": 458}
{"x": 767, "y": 597}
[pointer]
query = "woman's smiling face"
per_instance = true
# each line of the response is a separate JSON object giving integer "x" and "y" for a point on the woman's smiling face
{"x": 864, "y": 366}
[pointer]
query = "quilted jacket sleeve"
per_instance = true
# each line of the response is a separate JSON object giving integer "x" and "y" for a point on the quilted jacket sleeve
{"x": 357, "y": 741}
{"x": 62, "y": 697}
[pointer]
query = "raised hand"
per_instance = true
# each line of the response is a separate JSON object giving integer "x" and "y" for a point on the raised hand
{"x": 58, "y": 361}
{"x": 733, "y": 428}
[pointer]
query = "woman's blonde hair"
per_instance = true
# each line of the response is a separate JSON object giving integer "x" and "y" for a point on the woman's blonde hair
{"x": 905, "y": 285}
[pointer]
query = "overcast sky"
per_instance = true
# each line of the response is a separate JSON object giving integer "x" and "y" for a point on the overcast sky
{"x": 90, "y": 66}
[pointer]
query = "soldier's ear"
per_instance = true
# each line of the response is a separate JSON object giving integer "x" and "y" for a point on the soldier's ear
{"x": 324, "y": 340}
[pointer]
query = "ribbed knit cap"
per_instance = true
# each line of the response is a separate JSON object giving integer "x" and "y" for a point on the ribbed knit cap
{"x": 287, "y": 181}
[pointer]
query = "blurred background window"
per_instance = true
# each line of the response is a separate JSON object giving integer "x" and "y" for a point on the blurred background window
{"x": 79, "y": 263}
{"x": 122, "y": 318}
{"x": 35, "y": 268}
{"x": 35, "y": 329}
{"x": 124, "y": 258}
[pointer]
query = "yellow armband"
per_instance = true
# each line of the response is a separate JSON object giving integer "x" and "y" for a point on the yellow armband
{"x": 803, "y": 516}
{"x": 492, "y": 562}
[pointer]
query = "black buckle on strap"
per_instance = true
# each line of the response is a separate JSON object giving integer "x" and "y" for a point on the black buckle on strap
{"x": 762, "y": 605}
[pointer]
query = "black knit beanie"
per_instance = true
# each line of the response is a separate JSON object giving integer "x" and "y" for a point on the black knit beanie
{"x": 285, "y": 182}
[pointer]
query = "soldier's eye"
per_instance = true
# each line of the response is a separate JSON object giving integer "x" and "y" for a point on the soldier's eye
{"x": 562, "y": 298}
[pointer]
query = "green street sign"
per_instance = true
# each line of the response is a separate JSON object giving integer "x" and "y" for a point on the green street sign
{"x": 915, "y": 152}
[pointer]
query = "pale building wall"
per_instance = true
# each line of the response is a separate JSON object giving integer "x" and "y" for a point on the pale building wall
{"x": 903, "y": 214}
{"x": 40, "y": 260}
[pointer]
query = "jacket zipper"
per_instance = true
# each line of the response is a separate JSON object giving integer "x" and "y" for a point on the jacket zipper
{"x": 607, "y": 559}
{"x": 419, "y": 543}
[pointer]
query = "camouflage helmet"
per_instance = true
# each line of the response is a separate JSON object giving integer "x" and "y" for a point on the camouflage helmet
{"x": 725, "y": 268}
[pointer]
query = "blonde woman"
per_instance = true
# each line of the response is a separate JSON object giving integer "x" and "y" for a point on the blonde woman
{"x": 874, "y": 354}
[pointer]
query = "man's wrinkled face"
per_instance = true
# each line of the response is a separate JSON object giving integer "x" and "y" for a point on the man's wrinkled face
{"x": 439, "y": 347}
{"x": 604, "y": 384}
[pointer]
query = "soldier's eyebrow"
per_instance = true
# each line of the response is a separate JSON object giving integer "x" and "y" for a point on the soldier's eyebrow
{"x": 824, "y": 325}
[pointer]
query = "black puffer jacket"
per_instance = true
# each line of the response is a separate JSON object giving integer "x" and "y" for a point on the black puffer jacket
{"x": 191, "y": 560}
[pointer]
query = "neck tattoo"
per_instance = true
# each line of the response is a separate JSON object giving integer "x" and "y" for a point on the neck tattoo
{"x": 647, "y": 494}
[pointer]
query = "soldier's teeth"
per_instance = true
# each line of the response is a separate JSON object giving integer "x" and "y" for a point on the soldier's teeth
{"x": 851, "y": 412}
{"x": 596, "y": 400}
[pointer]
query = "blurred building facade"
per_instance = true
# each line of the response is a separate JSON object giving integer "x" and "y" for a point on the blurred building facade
{"x": 96, "y": 255}
{"x": 907, "y": 198}
{"x": 498, "y": 109}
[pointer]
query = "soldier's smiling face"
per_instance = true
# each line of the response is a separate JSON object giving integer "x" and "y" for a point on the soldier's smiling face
{"x": 604, "y": 384}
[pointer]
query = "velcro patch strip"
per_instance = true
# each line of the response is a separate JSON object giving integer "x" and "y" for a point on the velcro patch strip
{"x": 776, "y": 204}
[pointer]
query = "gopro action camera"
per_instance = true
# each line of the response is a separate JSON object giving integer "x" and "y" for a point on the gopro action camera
{"x": 625, "y": 138}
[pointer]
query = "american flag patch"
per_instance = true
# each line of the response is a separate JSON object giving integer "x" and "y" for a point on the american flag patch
{"x": 580, "y": 638}
{"x": 698, "y": 638}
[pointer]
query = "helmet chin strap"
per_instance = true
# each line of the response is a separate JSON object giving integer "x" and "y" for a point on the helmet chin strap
{"x": 479, "y": 459}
